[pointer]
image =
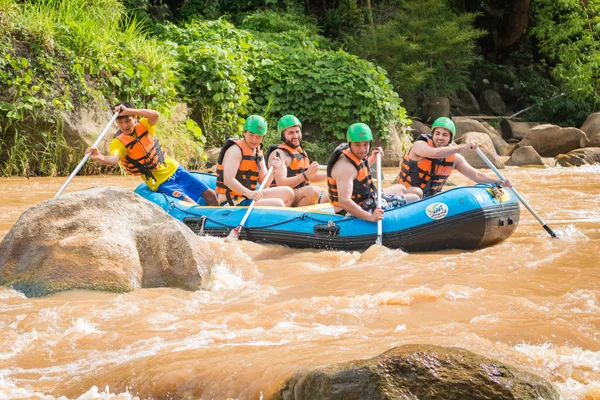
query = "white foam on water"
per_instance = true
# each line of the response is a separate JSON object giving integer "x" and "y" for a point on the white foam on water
{"x": 95, "y": 394}
{"x": 570, "y": 233}
{"x": 21, "y": 343}
{"x": 82, "y": 326}
{"x": 576, "y": 371}
{"x": 9, "y": 293}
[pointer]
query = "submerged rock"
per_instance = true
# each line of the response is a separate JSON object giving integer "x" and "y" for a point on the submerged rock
{"x": 551, "y": 140}
{"x": 525, "y": 155}
{"x": 589, "y": 155}
{"x": 418, "y": 372}
{"x": 102, "y": 239}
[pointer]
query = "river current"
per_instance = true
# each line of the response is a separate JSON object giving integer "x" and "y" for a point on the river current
{"x": 531, "y": 301}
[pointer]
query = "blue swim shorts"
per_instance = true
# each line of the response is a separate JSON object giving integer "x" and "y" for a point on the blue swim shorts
{"x": 183, "y": 183}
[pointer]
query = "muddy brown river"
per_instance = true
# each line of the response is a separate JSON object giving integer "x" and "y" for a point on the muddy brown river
{"x": 531, "y": 301}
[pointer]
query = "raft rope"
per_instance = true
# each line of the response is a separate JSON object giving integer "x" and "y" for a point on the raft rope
{"x": 303, "y": 216}
{"x": 173, "y": 205}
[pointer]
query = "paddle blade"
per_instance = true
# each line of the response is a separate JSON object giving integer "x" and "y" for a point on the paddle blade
{"x": 550, "y": 231}
{"x": 235, "y": 233}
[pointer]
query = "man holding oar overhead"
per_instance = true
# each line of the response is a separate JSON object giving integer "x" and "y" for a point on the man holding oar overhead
{"x": 299, "y": 171}
{"x": 431, "y": 159}
{"x": 138, "y": 150}
{"x": 349, "y": 181}
{"x": 241, "y": 166}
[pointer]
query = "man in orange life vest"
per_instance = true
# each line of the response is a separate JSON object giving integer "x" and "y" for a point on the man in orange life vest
{"x": 351, "y": 188}
{"x": 299, "y": 171}
{"x": 241, "y": 166}
{"x": 139, "y": 152}
{"x": 431, "y": 159}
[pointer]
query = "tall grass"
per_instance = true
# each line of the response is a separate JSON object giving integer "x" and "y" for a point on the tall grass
{"x": 65, "y": 52}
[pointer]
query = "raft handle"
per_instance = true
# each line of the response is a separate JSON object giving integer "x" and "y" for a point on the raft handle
{"x": 196, "y": 224}
{"x": 331, "y": 229}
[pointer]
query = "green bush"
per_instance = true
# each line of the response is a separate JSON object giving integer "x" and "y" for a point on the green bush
{"x": 425, "y": 47}
{"x": 232, "y": 72}
{"x": 568, "y": 35}
{"x": 58, "y": 55}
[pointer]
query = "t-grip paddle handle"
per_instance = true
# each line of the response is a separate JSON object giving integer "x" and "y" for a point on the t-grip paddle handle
{"x": 517, "y": 195}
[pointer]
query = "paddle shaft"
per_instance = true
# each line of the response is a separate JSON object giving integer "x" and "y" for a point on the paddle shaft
{"x": 379, "y": 240}
{"x": 517, "y": 195}
{"x": 241, "y": 225}
{"x": 87, "y": 156}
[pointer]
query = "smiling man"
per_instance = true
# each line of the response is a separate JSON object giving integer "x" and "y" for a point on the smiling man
{"x": 349, "y": 182}
{"x": 241, "y": 167}
{"x": 430, "y": 161}
{"x": 299, "y": 171}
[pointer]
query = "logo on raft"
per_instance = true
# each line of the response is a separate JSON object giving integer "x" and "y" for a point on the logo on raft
{"x": 437, "y": 210}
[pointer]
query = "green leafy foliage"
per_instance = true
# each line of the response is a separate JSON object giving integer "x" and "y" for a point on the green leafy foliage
{"x": 58, "y": 55}
{"x": 568, "y": 35}
{"x": 233, "y": 72}
{"x": 426, "y": 48}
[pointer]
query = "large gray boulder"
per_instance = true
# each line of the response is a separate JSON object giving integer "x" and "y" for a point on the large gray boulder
{"x": 465, "y": 103}
{"x": 501, "y": 146}
{"x": 551, "y": 140}
{"x": 464, "y": 125}
{"x": 589, "y": 155}
{"x": 486, "y": 146}
{"x": 212, "y": 155}
{"x": 434, "y": 108}
{"x": 106, "y": 239}
{"x": 82, "y": 127}
{"x": 418, "y": 128}
{"x": 418, "y": 372}
{"x": 591, "y": 127}
{"x": 491, "y": 103}
{"x": 398, "y": 144}
{"x": 515, "y": 130}
{"x": 525, "y": 155}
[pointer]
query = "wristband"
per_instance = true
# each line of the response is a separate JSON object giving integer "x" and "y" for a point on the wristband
{"x": 304, "y": 175}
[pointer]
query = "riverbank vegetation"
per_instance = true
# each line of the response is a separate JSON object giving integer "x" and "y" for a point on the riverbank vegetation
{"x": 206, "y": 67}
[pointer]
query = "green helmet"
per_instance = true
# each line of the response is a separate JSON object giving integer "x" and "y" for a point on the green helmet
{"x": 444, "y": 122}
{"x": 359, "y": 133}
{"x": 256, "y": 124}
{"x": 286, "y": 121}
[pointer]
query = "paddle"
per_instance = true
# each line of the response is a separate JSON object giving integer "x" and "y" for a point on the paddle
{"x": 379, "y": 240}
{"x": 87, "y": 156}
{"x": 514, "y": 191}
{"x": 235, "y": 233}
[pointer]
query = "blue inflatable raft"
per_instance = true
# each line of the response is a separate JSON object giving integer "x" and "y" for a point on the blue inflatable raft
{"x": 467, "y": 217}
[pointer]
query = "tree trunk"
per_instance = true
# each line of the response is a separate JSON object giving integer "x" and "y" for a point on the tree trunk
{"x": 516, "y": 20}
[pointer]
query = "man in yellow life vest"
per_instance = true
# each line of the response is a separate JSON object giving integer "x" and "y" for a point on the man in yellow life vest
{"x": 349, "y": 181}
{"x": 138, "y": 150}
{"x": 299, "y": 171}
{"x": 241, "y": 166}
{"x": 431, "y": 159}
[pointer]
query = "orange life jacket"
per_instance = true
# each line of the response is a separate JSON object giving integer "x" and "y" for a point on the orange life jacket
{"x": 247, "y": 173}
{"x": 363, "y": 187}
{"x": 429, "y": 174}
{"x": 299, "y": 164}
{"x": 144, "y": 153}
